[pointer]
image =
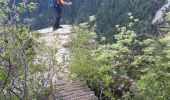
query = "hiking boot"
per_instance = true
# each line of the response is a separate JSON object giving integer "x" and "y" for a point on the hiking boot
{"x": 55, "y": 28}
{"x": 59, "y": 27}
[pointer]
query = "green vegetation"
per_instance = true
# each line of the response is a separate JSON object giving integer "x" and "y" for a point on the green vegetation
{"x": 22, "y": 74}
{"x": 135, "y": 67}
{"x": 118, "y": 56}
{"x": 108, "y": 14}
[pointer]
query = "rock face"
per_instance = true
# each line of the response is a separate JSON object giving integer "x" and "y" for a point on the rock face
{"x": 159, "y": 16}
{"x": 67, "y": 89}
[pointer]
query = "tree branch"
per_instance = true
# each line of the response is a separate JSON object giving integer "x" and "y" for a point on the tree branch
{"x": 6, "y": 79}
{"x": 15, "y": 94}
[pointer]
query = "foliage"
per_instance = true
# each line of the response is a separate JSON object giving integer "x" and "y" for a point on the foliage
{"x": 135, "y": 67}
{"x": 108, "y": 14}
{"x": 16, "y": 46}
{"x": 155, "y": 84}
{"x": 22, "y": 73}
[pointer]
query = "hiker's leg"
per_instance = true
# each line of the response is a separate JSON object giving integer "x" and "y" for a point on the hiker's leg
{"x": 58, "y": 17}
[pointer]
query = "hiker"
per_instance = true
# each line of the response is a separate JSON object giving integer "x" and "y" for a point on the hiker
{"x": 58, "y": 9}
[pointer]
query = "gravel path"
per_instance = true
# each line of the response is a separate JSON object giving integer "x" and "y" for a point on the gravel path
{"x": 68, "y": 89}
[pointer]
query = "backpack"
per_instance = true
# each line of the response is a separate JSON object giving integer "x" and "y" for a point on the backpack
{"x": 52, "y": 4}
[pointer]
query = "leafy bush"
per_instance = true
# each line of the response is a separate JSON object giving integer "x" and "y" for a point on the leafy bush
{"x": 135, "y": 67}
